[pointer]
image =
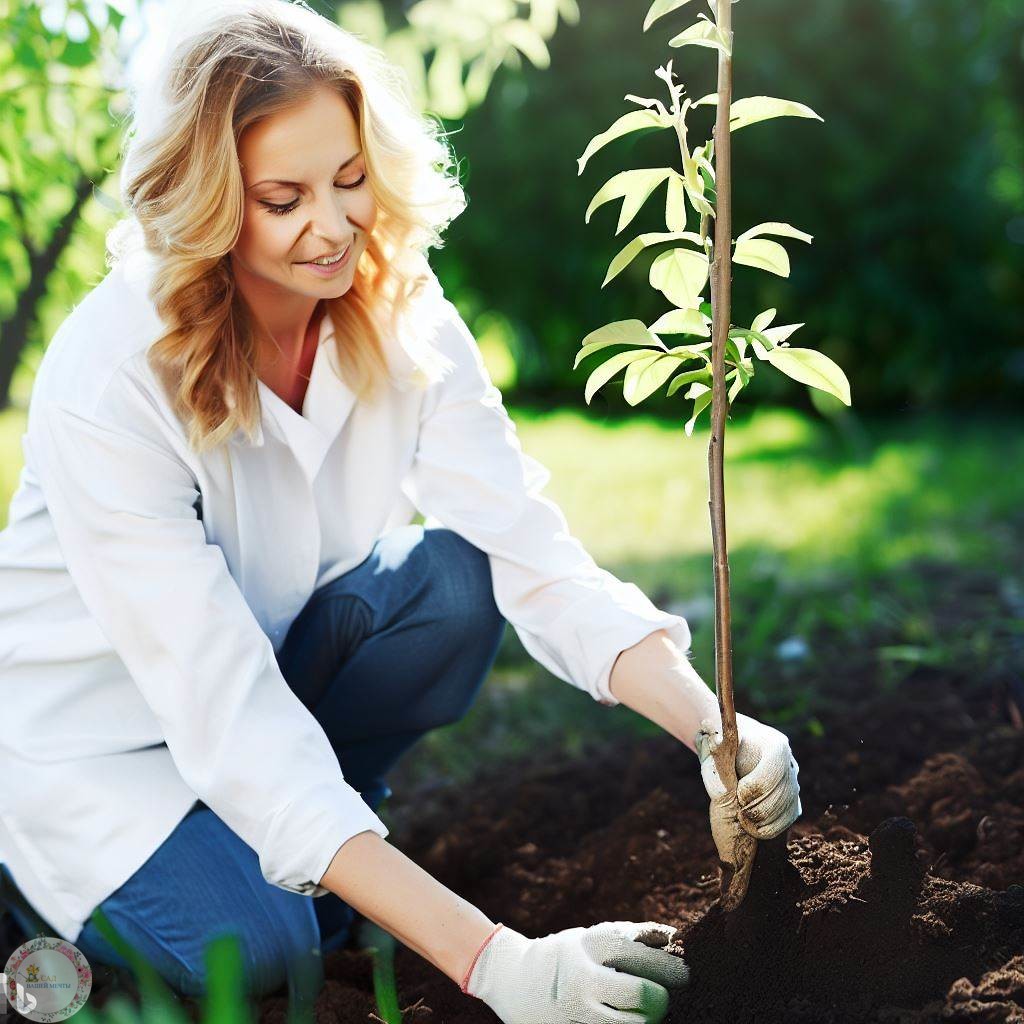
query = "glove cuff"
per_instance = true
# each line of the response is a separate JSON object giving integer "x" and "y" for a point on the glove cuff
{"x": 464, "y": 986}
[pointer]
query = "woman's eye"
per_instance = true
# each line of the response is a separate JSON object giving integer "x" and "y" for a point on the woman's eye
{"x": 288, "y": 207}
{"x": 274, "y": 208}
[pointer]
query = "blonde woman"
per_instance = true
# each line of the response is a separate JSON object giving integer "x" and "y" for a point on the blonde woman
{"x": 219, "y": 626}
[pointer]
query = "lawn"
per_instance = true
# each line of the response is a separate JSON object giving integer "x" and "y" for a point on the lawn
{"x": 837, "y": 536}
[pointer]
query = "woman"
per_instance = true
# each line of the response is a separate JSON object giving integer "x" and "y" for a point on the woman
{"x": 220, "y": 628}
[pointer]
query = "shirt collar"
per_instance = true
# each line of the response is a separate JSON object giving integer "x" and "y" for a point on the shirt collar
{"x": 329, "y": 400}
{"x": 325, "y": 409}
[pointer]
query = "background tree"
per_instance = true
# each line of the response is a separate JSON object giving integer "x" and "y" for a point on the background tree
{"x": 58, "y": 144}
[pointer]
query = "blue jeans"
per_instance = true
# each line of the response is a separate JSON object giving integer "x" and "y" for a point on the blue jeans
{"x": 397, "y": 646}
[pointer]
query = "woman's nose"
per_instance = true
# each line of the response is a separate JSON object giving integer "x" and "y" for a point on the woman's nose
{"x": 330, "y": 217}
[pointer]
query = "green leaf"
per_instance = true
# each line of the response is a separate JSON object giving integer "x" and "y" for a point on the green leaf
{"x": 685, "y": 352}
{"x": 743, "y": 378}
{"x": 682, "y": 321}
{"x": 609, "y": 368}
{"x": 225, "y": 990}
{"x": 702, "y": 402}
{"x": 632, "y": 249}
{"x": 77, "y": 54}
{"x": 763, "y": 254}
{"x": 707, "y": 169}
{"x": 760, "y": 342}
{"x": 774, "y": 228}
{"x": 444, "y": 79}
{"x": 156, "y": 995}
{"x": 693, "y": 182}
{"x": 675, "y": 205}
{"x": 813, "y": 368}
{"x": 702, "y": 33}
{"x": 763, "y": 319}
{"x": 660, "y": 8}
{"x": 619, "y": 332}
{"x": 781, "y": 333}
{"x": 751, "y": 109}
{"x": 633, "y": 187}
{"x": 646, "y": 101}
{"x": 634, "y": 121}
{"x": 381, "y": 947}
{"x": 687, "y": 378}
{"x": 644, "y": 377}
{"x": 527, "y": 40}
{"x": 680, "y": 275}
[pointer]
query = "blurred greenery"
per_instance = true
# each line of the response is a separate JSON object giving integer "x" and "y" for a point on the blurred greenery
{"x": 849, "y": 558}
{"x": 913, "y": 188}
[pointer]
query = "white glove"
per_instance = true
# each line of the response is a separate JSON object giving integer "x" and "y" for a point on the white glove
{"x": 609, "y": 973}
{"x": 767, "y": 792}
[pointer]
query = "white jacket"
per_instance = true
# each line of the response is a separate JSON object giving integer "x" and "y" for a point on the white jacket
{"x": 144, "y": 591}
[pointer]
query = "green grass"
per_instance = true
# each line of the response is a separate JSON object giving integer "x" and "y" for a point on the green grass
{"x": 837, "y": 534}
{"x": 836, "y": 531}
{"x": 827, "y": 523}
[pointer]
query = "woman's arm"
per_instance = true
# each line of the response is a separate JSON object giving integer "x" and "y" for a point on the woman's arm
{"x": 656, "y": 680}
{"x": 384, "y": 885}
{"x": 122, "y": 502}
{"x": 615, "y": 970}
{"x": 471, "y": 474}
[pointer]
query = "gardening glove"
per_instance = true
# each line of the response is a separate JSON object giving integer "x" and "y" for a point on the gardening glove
{"x": 609, "y": 973}
{"x": 767, "y": 797}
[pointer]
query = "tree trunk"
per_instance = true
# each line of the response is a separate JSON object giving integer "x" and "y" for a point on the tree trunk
{"x": 14, "y": 331}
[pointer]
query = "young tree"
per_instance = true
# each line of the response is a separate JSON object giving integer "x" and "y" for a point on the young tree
{"x": 687, "y": 262}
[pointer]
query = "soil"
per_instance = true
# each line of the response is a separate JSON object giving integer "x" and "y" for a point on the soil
{"x": 897, "y": 897}
{"x": 900, "y": 901}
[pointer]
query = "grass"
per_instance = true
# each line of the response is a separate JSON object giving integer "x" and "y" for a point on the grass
{"x": 837, "y": 532}
{"x": 831, "y": 526}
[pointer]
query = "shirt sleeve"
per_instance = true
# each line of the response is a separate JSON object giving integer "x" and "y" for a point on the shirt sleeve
{"x": 121, "y": 502}
{"x": 471, "y": 475}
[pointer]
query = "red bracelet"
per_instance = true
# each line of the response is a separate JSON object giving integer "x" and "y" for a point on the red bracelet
{"x": 465, "y": 980}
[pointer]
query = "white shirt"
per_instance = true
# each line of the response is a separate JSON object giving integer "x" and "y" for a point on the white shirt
{"x": 138, "y": 639}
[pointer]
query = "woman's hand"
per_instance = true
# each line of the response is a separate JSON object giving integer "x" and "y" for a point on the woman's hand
{"x": 609, "y": 973}
{"x": 767, "y": 798}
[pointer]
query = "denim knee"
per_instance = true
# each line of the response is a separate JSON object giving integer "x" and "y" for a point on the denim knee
{"x": 466, "y": 570}
{"x": 270, "y": 952}
{"x": 469, "y": 623}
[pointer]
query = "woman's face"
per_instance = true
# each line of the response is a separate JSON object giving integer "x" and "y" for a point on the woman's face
{"x": 306, "y": 196}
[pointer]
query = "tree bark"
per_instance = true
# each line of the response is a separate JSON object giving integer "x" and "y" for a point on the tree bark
{"x": 736, "y": 876}
{"x": 14, "y": 331}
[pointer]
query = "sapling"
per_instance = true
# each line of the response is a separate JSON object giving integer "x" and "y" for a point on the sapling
{"x": 686, "y": 262}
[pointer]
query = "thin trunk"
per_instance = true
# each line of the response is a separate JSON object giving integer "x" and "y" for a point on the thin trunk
{"x": 14, "y": 331}
{"x": 733, "y": 883}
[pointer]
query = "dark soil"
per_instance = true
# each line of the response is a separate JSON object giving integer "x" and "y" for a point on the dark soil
{"x": 898, "y": 897}
{"x": 900, "y": 902}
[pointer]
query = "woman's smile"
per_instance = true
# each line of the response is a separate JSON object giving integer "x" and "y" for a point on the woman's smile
{"x": 327, "y": 270}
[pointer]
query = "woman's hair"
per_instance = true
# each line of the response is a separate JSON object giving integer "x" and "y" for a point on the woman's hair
{"x": 181, "y": 181}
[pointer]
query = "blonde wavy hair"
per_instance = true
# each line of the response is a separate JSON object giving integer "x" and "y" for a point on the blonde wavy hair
{"x": 226, "y": 69}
